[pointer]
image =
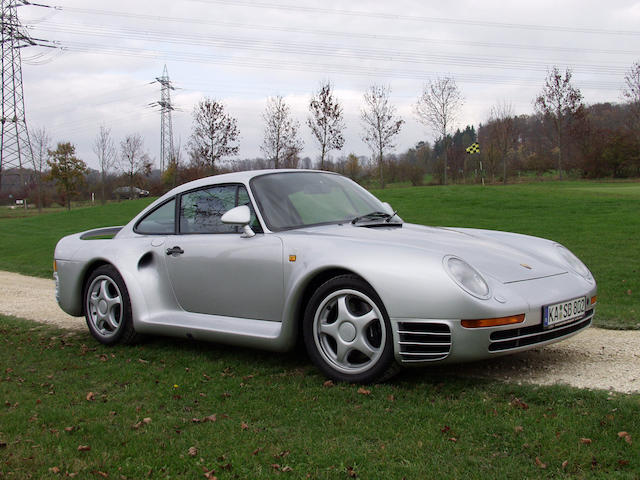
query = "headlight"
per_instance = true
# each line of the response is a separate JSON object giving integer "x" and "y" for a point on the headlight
{"x": 574, "y": 262}
{"x": 467, "y": 277}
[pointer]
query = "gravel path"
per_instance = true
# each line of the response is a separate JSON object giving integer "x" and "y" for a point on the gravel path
{"x": 596, "y": 358}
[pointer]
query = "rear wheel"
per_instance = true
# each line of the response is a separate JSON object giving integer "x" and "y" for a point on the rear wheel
{"x": 107, "y": 307}
{"x": 347, "y": 332}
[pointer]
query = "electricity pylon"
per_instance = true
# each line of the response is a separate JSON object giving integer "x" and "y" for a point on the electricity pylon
{"x": 166, "y": 126}
{"x": 15, "y": 145}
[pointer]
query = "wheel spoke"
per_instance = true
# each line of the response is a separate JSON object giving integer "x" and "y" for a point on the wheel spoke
{"x": 343, "y": 309}
{"x": 342, "y": 351}
{"x": 363, "y": 321}
{"x": 362, "y": 345}
{"x": 330, "y": 329}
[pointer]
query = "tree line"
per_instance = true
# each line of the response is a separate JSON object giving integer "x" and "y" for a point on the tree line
{"x": 562, "y": 136}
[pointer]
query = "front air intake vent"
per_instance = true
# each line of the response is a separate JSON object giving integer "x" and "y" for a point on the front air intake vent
{"x": 513, "y": 338}
{"x": 421, "y": 341}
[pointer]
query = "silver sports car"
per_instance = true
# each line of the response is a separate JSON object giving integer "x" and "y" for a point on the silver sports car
{"x": 264, "y": 258}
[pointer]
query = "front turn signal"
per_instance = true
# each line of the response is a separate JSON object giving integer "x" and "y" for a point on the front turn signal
{"x": 493, "y": 322}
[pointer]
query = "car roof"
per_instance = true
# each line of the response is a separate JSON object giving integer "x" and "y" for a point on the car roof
{"x": 235, "y": 177}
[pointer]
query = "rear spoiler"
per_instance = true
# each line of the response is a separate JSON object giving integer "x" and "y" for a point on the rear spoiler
{"x": 100, "y": 232}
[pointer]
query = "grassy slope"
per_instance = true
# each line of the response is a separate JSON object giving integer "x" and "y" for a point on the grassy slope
{"x": 600, "y": 222}
{"x": 27, "y": 243}
{"x": 275, "y": 417}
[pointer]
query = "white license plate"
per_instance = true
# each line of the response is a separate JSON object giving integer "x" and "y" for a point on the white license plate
{"x": 563, "y": 312}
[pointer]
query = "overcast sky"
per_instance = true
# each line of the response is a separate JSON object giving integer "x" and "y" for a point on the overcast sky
{"x": 241, "y": 52}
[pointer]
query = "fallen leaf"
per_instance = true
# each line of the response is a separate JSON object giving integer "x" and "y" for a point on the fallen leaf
{"x": 518, "y": 428}
{"x": 210, "y": 475}
{"x": 257, "y": 451}
{"x": 445, "y": 429}
{"x": 391, "y": 398}
{"x": 585, "y": 441}
{"x": 282, "y": 454}
{"x": 69, "y": 429}
{"x": 101, "y": 474}
{"x": 90, "y": 397}
{"x": 210, "y": 418}
{"x": 623, "y": 463}
{"x": 364, "y": 391}
{"x": 146, "y": 420}
{"x": 327, "y": 384}
{"x": 193, "y": 451}
{"x": 516, "y": 402}
{"x": 244, "y": 426}
{"x": 351, "y": 472}
{"x": 564, "y": 464}
{"x": 287, "y": 468}
{"x": 453, "y": 439}
{"x": 540, "y": 464}
{"x": 275, "y": 466}
{"x": 143, "y": 361}
{"x": 84, "y": 448}
{"x": 625, "y": 436}
{"x": 54, "y": 470}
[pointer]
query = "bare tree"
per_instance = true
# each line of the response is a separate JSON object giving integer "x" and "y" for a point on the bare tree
{"x": 561, "y": 103}
{"x": 631, "y": 92}
{"x": 215, "y": 134}
{"x": 380, "y": 124}
{"x": 105, "y": 149}
{"x": 133, "y": 159}
{"x": 437, "y": 108}
{"x": 503, "y": 132}
{"x": 326, "y": 121}
{"x": 281, "y": 143}
{"x": 41, "y": 144}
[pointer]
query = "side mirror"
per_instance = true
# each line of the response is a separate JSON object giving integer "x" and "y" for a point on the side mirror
{"x": 240, "y": 216}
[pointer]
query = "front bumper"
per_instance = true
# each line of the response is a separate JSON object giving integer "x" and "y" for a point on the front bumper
{"x": 426, "y": 341}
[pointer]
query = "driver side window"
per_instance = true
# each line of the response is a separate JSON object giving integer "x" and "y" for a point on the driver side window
{"x": 201, "y": 210}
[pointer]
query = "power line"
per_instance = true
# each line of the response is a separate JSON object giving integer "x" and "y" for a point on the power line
{"x": 418, "y": 18}
{"x": 309, "y": 66}
{"x": 367, "y": 36}
{"x": 307, "y": 49}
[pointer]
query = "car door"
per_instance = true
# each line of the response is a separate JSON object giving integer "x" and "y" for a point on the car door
{"x": 213, "y": 269}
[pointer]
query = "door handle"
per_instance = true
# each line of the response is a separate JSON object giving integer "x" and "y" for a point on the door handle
{"x": 175, "y": 251}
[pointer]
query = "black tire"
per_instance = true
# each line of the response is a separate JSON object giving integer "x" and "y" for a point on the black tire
{"x": 347, "y": 332}
{"x": 107, "y": 307}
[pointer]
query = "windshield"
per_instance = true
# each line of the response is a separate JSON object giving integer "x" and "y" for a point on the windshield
{"x": 300, "y": 199}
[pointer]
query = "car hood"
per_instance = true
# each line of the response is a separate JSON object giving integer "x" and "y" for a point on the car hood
{"x": 509, "y": 258}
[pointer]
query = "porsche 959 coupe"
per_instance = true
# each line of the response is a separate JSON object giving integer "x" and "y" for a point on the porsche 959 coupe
{"x": 265, "y": 258}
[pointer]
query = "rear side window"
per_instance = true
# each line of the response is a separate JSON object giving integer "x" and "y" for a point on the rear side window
{"x": 161, "y": 221}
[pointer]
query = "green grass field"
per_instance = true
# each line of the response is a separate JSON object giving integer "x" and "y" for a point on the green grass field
{"x": 169, "y": 408}
{"x": 600, "y": 222}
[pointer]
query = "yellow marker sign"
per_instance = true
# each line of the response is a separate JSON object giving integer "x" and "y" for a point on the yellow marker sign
{"x": 292, "y": 258}
{"x": 473, "y": 148}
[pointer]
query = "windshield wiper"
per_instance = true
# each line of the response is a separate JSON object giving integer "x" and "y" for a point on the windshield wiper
{"x": 375, "y": 216}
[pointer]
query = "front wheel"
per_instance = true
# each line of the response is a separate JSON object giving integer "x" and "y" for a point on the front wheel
{"x": 347, "y": 332}
{"x": 107, "y": 307}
